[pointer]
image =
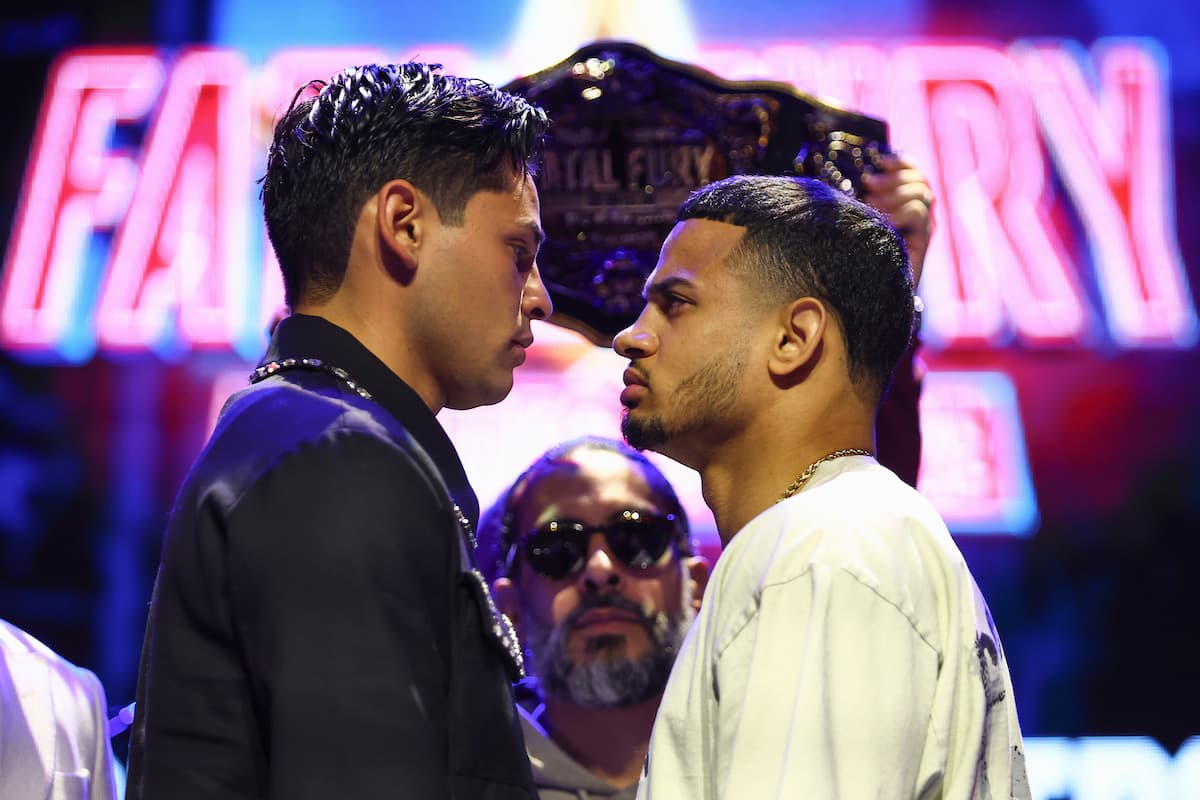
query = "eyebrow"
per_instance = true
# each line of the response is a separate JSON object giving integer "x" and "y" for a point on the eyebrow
{"x": 535, "y": 229}
{"x": 659, "y": 288}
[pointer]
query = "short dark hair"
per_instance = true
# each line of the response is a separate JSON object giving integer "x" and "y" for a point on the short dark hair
{"x": 496, "y": 534}
{"x": 805, "y": 239}
{"x": 451, "y": 137}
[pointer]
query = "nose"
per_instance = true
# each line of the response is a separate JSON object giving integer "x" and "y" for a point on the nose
{"x": 535, "y": 299}
{"x": 600, "y": 570}
{"x": 636, "y": 341}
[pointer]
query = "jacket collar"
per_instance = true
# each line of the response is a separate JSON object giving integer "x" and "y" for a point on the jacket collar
{"x": 306, "y": 336}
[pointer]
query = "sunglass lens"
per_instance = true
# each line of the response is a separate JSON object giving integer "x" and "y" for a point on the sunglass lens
{"x": 640, "y": 542}
{"x": 554, "y": 554}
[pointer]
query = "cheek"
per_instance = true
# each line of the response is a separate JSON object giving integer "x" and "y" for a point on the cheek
{"x": 547, "y": 605}
{"x": 562, "y": 604}
{"x": 661, "y": 594}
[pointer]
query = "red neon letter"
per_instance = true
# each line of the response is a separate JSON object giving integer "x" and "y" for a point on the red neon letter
{"x": 182, "y": 243}
{"x": 77, "y": 183}
{"x": 996, "y": 259}
{"x": 1113, "y": 151}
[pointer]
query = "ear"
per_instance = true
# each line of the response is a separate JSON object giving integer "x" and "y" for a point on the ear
{"x": 697, "y": 572}
{"x": 401, "y": 213}
{"x": 505, "y": 595}
{"x": 799, "y": 332}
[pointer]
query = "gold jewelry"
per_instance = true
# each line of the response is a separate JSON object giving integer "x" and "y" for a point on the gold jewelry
{"x": 803, "y": 477}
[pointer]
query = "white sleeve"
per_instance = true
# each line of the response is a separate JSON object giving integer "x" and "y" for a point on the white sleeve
{"x": 83, "y": 757}
{"x": 103, "y": 781}
{"x": 838, "y": 687}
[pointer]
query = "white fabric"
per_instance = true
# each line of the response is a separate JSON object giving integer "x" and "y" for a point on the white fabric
{"x": 842, "y": 650}
{"x": 53, "y": 725}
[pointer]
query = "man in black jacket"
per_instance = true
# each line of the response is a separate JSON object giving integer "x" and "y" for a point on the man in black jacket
{"x": 319, "y": 628}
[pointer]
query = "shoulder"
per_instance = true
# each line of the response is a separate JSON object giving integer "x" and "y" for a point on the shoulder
{"x": 344, "y": 479}
{"x": 863, "y": 524}
{"x": 554, "y": 771}
{"x": 311, "y": 432}
{"x": 863, "y": 520}
{"x": 16, "y": 644}
{"x": 285, "y": 411}
{"x": 289, "y": 469}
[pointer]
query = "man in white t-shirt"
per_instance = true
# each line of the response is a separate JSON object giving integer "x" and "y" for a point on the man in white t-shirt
{"x": 843, "y": 648}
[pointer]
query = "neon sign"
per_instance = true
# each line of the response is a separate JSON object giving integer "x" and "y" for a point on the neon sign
{"x": 987, "y": 123}
{"x": 154, "y": 243}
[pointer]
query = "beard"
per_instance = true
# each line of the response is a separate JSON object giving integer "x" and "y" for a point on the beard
{"x": 702, "y": 400}
{"x": 607, "y": 677}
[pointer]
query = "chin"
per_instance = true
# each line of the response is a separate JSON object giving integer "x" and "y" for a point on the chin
{"x": 643, "y": 431}
{"x": 603, "y": 647}
{"x": 485, "y": 395}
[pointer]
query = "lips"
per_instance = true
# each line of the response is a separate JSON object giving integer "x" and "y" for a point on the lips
{"x": 518, "y": 346}
{"x": 632, "y": 377}
{"x": 635, "y": 387}
{"x": 606, "y": 616}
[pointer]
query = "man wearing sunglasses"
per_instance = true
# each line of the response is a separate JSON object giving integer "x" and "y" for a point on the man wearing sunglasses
{"x": 591, "y": 559}
{"x": 843, "y": 649}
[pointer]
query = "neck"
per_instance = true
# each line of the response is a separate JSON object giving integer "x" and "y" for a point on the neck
{"x": 749, "y": 476}
{"x": 610, "y": 743}
{"x": 379, "y": 334}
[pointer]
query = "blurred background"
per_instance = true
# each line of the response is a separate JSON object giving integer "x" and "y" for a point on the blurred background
{"x": 1061, "y": 440}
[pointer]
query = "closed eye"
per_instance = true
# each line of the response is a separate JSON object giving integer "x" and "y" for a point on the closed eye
{"x": 523, "y": 258}
{"x": 669, "y": 302}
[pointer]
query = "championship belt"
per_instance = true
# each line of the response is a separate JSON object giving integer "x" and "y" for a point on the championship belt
{"x": 632, "y": 135}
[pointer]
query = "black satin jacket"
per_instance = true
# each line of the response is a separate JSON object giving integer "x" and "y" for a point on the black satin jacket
{"x": 316, "y": 630}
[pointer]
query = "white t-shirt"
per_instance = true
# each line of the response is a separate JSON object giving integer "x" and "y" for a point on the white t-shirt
{"x": 842, "y": 650}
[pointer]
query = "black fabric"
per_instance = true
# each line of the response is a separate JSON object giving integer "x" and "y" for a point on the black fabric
{"x": 898, "y": 424}
{"x": 314, "y": 631}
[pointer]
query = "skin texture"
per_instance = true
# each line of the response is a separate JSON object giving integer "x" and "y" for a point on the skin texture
{"x": 688, "y": 399}
{"x": 592, "y": 487}
{"x": 446, "y": 307}
{"x": 792, "y": 397}
{"x": 776, "y": 392}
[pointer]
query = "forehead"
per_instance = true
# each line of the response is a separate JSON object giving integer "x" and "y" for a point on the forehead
{"x": 697, "y": 250}
{"x": 590, "y": 486}
{"x": 519, "y": 195}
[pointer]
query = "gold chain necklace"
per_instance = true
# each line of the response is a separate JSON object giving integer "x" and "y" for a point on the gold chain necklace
{"x": 803, "y": 477}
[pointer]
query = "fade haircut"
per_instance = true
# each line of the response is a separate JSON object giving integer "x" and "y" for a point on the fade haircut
{"x": 496, "y": 534}
{"x": 451, "y": 137}
{"x": 805, "y": 239}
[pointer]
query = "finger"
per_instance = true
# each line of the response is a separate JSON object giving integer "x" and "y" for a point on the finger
{"x": 887, "y": 181}
{"x": 912, "y": 218}
{"x": 892, "y": 198}
{"x": 894, "y": 162}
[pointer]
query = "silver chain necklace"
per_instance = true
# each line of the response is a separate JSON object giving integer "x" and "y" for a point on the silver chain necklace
{"x": 803, "y": 477}
{"x": 273, "y": 367}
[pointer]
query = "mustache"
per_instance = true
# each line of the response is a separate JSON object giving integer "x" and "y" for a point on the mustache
{"x": 640, "y": 370}
{"x": 609, "y": 600}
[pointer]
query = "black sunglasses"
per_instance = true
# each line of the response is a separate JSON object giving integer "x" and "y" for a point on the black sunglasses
{"x": 559, "y": 548}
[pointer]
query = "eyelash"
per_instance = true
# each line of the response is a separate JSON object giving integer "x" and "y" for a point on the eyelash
{"x": 671, "y": 303}
{"x": 521, "y": 258}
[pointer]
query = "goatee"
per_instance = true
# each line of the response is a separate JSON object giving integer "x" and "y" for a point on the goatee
{"x": 643, "y": 434}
